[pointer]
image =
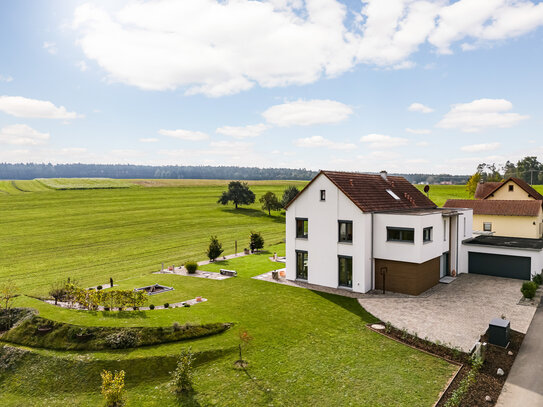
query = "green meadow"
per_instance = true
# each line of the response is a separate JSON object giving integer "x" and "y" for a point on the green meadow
{"x": 308, "y": 348}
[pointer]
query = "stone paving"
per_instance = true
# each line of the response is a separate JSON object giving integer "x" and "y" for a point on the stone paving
{"x": 457, "y": 313}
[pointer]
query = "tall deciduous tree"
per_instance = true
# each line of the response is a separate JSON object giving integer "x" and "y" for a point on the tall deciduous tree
{"x": 529, "y": 169}
{"x": 270, "y": 202}
{"x": 289, "y": 194}
{"x": 215, "y": 248}
{"x": 471, "y": 186}
{"x": 239, "y": 193}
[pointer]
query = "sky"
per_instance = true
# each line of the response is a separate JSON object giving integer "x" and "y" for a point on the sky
{"x": 398, "y": 85}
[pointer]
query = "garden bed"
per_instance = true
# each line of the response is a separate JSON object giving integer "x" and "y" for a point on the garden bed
{"x": 487, "y": 382}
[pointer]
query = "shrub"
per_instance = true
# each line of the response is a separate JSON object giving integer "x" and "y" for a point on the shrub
{"x": 113, "y": 388}
{"x": 106, "y": 308}
{"x": 152, "y": 306}
{"x": 99, "y": 287}
{"x": 166, "y": 305}
{"x": 538, "y": 279}
{"x": 528, "y": 289}
{"x": 257, "y": 241}
{"x": 176, "y": 327}
{"x": 122, "y": 339}
{"x": 186, "y": 305}
{"x": 182, "y": 375}
{"x": 191, "y": 267}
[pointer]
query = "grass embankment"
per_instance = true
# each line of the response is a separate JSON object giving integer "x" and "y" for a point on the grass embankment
{"x": 40, "y": 332}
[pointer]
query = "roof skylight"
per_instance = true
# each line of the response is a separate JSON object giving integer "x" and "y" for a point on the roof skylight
{"x": 393, "y": 195}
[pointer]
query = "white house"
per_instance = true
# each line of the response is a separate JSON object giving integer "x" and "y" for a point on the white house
{"x": 362, "y": 231}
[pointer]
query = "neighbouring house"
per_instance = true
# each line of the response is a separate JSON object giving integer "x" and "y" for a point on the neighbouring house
{"x": 511, "y": 208}
{"x": 361, "y": 232}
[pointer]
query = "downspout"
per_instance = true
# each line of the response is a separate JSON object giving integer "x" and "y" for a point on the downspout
{"x": 457, "y": 243}
{"x": 372, "y": 260}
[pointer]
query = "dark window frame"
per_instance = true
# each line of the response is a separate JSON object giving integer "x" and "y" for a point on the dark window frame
{"x": 347, "y": 222}
{"x": 298, "y": 252}
{"x": 511, "y": 188}
{"x": 323, "y": 195}
{"x": 401, "y": 238}
{"x": 339, "y": 258}
{"x": 431, "y": 232}
{"x": 489, "y": 228}
{"x": 303, "y": 235}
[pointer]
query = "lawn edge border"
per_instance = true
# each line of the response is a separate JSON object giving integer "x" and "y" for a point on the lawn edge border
{"x": 459, "y": 365}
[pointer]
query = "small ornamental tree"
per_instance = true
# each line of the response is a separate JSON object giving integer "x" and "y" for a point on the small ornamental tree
{"x": 113, "y": 388}
{"x": 58, "y": 291}
{"x": 239, "y": 193}
{"x": 471, "y": 186}
{"x": 270, "y": 202}
{"x": 182, "y": 375}
{"x": 8, "y": 292}
{"x": 289, "y": 194}
{"x": 215, "y": 248}
{"x": 257, "y": 241}
{"x": 244, "y": 340}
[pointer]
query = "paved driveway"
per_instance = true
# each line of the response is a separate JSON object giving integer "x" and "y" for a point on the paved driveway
{"x": 457, "y": 313}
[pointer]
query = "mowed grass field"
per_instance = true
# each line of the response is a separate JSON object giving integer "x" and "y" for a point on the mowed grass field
{"x": 94, "y": 234}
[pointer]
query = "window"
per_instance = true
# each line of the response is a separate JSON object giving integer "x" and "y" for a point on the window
{"x": 427, "y": 234}
{"x": 511, "y": 188}
{"x": 393, "y": 195}
{"x": 400, "y": 234}
{"x": 323, "y": 195}
{"x": 487, "y": 226}
{"x": 345, "y": 231}
{"x": 301, "y": 265}
{"x": 301, "y": 228}
{"x": 345, "y": 268}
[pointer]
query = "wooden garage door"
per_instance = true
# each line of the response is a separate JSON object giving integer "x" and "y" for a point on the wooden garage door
{"x": 500, "y": 265}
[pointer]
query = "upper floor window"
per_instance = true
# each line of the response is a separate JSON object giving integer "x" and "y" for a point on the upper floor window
{"x": 511, "y": 188}
{"x": 487, "y": 226}
{"x": 323, "y": 195}
{"x": 427, "y": 234}
{"x": 345, "y": 230}
{"x": 400, "y": 234}
{"x": 301, "y": 227}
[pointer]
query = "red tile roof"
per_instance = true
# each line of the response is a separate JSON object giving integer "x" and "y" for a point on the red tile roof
{"x": 483, "y": 189}
{"x": 497, "y": 207}
{"x": 521, "y": 183}
{"x": 369, "y": 191}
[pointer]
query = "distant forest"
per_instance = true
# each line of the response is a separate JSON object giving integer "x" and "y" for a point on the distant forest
{"x": 124, "y": 171}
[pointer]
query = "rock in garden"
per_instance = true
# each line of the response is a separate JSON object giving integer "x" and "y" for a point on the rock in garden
{"x": 488, "y": 398}
{"x": 379, "y": 327}
{"x": 510, "y": 353}
{"x": 500, "y": 372}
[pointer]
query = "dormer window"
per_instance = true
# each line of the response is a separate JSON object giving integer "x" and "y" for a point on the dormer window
{"x": 323, "y": 195}
{"x": 511, "y": 188}
{"x": 393, "y": 195}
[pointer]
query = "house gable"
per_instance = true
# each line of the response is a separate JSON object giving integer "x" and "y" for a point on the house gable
{"x": 513, "y": 189}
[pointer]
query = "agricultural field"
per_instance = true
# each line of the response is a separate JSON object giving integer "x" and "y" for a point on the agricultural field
{"x": 308, "y": 348}
{"x": 84, "y": 183}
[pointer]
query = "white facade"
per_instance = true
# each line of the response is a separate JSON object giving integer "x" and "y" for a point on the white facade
{"x": 369, "y": 239}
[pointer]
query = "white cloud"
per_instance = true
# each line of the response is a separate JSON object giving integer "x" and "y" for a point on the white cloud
{"x": 148, "y": 140}
{"x": 220, "y": 47}
{"x": 475, "y": 148}
{"x": 422, "y": 144}
{"x": 419, "y": 107}
{"x": 480, "y": 114}
{"x": 21, "y": 134}
{"x": 319, "y": 141}
{"x": 306, "y": 113}
{"x": 188, "y": 135}
{"x": 383, "y": 141}
{"x": 418, "y": 131}
{"x": 51, "y": 47}
{"x": 6, "y": 78}
{"x": 232, "y": 146}
{"x": 242, "y": 131}
{"x": 19, "y": 106}
{"x": 73, "y": 150}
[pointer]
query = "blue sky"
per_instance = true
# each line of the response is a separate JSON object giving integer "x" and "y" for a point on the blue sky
{"x": 407, "y": 86}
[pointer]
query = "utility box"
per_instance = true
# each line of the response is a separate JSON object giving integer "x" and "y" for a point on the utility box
{"x": 499, "y": 332}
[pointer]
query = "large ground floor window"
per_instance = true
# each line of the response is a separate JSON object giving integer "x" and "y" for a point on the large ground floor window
{"x": 345, "y": 266}
{"x": 301, "y": 265}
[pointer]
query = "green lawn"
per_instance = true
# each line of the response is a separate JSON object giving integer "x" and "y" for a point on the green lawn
{"x": 309, "y": 348}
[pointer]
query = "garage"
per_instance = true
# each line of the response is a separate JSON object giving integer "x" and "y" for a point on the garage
{"x": 500, "y": 265}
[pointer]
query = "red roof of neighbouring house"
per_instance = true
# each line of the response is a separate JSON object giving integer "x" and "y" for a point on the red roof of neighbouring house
{"x": 484, "y": 188}
{"x": 369, "y": 191}
{"x": 521, "y": 183}
{"x": 497, "y": 207}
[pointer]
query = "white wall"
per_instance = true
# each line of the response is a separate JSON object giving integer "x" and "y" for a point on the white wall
{"x": 322, "y": 243}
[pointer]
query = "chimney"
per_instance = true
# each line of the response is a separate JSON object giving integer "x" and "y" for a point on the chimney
{"x": 384, "y": 175}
